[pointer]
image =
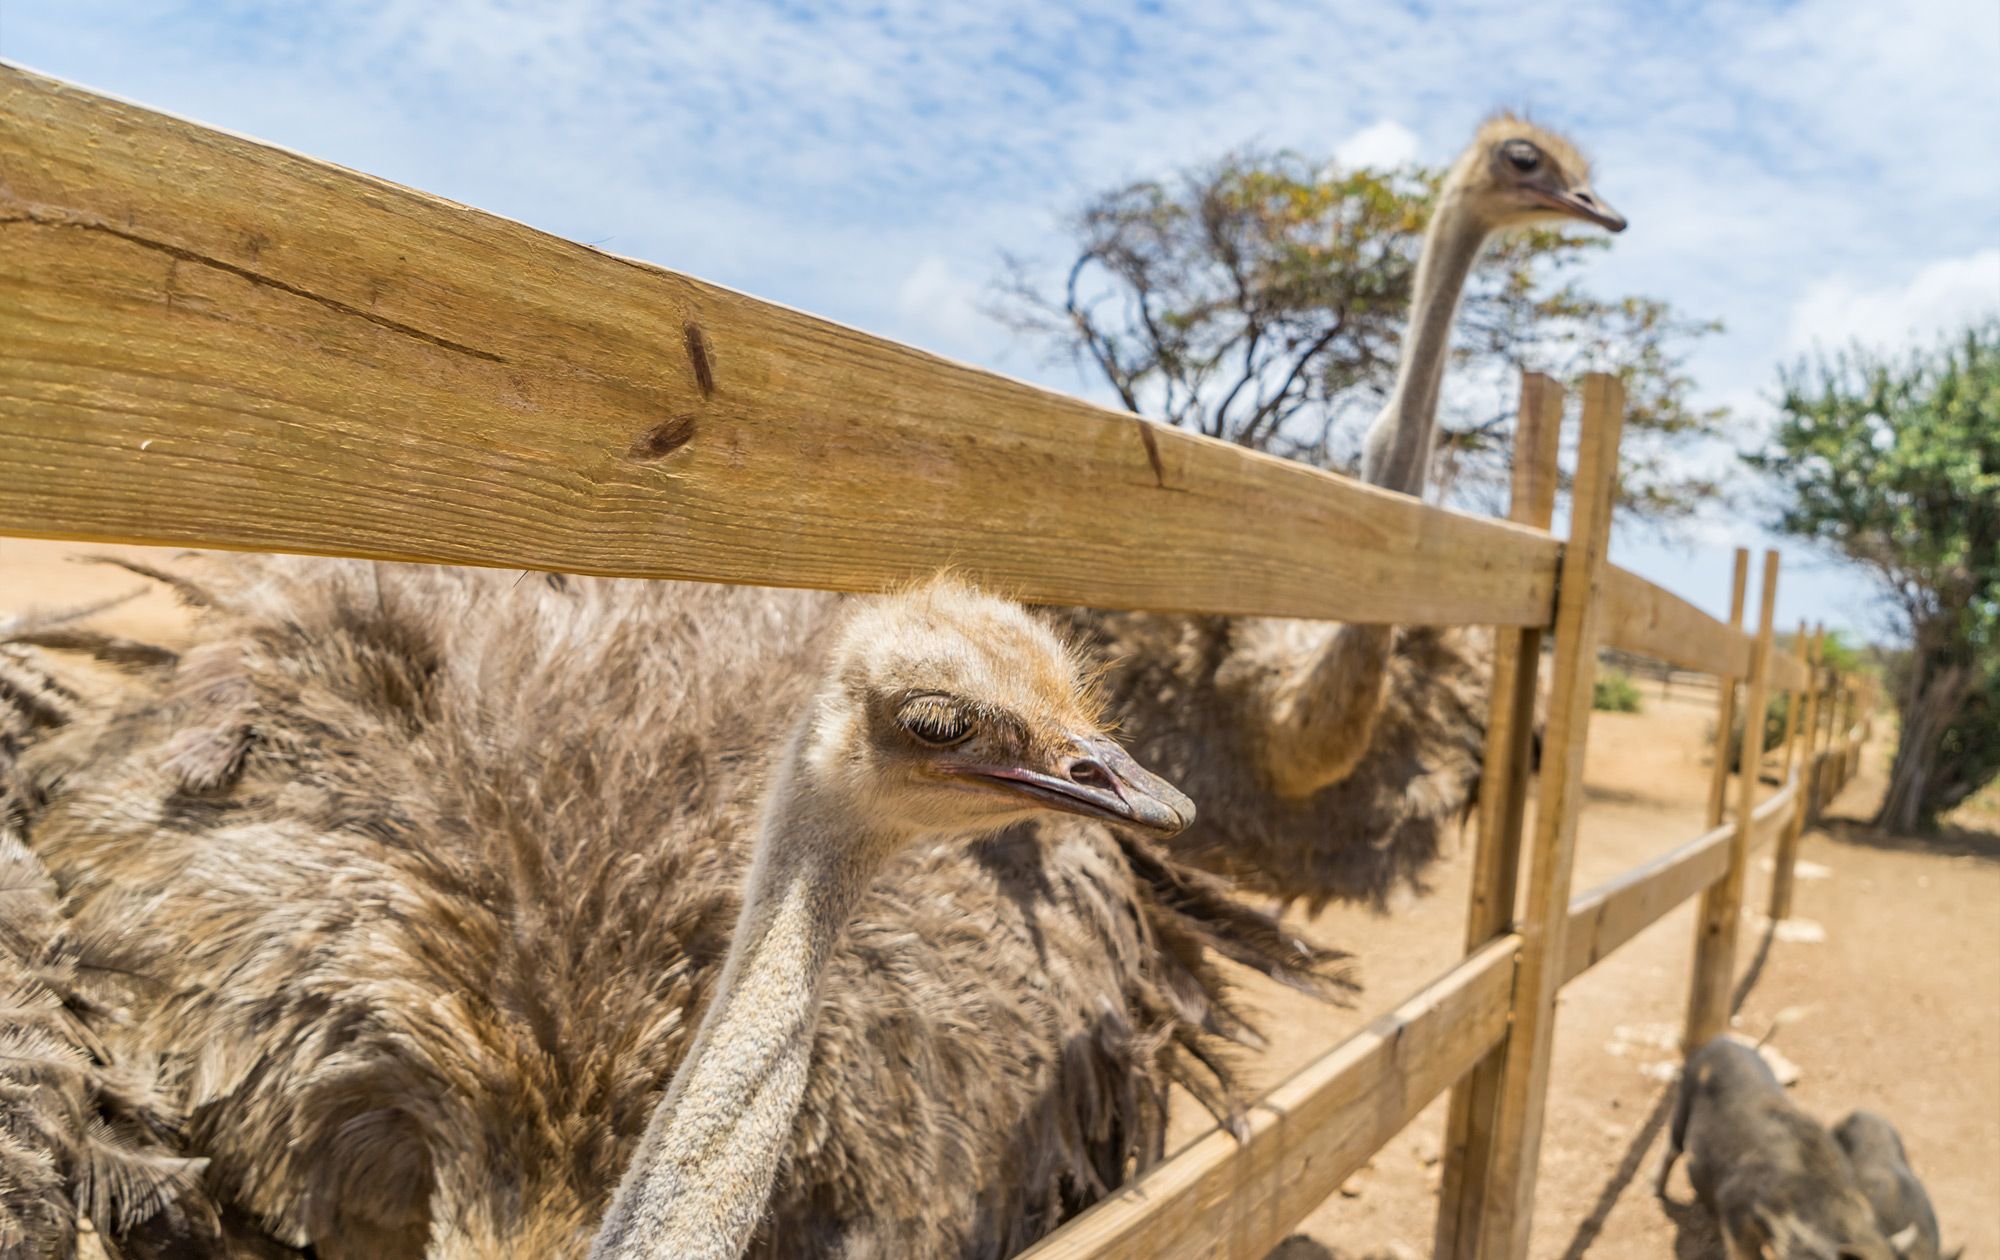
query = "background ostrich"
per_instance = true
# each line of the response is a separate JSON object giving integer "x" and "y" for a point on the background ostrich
{"x": 1328, "y": 759}
{"x": 940, "y": 714}
{"x": 424, "y": 875}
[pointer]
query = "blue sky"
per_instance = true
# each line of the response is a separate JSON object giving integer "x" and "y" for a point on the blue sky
{"x": 1808, "y": 172}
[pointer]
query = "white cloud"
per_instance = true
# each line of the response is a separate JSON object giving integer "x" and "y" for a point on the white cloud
{"x": 1383, "y": 144}
{"x": 939, "y": 309}
{"x": 1836, "y": 311}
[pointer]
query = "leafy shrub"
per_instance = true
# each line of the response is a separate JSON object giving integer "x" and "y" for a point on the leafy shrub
{"x": 1615, "y": 692}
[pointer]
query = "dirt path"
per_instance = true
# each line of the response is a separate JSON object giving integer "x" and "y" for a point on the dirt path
{"x": 1898, "y": 1009}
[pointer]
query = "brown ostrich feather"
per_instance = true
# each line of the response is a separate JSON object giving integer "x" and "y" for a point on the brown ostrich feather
{"x": 423, "y": 874}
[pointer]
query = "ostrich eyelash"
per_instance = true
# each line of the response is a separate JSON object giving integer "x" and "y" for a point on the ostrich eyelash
{"x": 1523, "y": 155}
{"x": 935, "y": 721}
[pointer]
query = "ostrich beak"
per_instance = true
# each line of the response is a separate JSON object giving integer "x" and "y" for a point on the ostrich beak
{"x": 1098, "y": 779}
{"x": 1581, "y": 203}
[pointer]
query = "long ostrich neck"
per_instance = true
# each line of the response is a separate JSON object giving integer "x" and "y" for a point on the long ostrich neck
{"x": 699, "y": 1182}
{"x": 1398, "y": 451}
{"x": 1321, "y": 713}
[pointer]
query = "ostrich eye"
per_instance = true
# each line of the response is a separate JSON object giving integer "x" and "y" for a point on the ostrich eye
{"x": 1522, "y": 155}
{"x": 936, "y": 721}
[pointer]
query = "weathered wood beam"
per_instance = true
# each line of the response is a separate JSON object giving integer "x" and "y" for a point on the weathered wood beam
{"x": 208, "y": 341}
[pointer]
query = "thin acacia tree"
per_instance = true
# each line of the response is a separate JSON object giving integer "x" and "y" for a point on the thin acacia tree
{"x": 1260, "y": 299}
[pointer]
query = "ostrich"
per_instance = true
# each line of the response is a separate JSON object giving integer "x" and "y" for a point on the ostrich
{"x": 82, "y": 1136}
{"x": 79, "y": 1137}
{"x": 939, "y": 714}
{"x": 1329, "y": 758}
{"x": 425, "y": 877}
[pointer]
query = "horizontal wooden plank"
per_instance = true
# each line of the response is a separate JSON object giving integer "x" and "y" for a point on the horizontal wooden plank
{"x": 1769, "y": 818}
{"x": 1217, "y": 1199}
{"x": 1641, "y": 617}
{"x": 1617, "y": 910}
{"x": 208, "y": 341}
{"x": 1788, "y": 672}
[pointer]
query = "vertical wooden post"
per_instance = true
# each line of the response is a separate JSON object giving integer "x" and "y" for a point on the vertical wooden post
{"x": 1815, "y": 704}
{"x": 1785, "y": 863}
{"x": 1852, "y": 728}
{"x": 1830, "y": 773}
{"x": 1517, "y": 656}
{"x": 1722, "y": 904}
{"x": 1837, "y": 734}
{"x": 1725, "y": 699}
{"x": 1793, "y": 699}
{"x": 1514, "y": 1147}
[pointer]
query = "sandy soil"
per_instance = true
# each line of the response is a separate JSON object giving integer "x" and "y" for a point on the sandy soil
{"x": 1897, "y": 1009}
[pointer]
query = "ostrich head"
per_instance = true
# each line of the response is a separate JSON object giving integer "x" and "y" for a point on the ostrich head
{"x": 939, "y": 712}
{"x": 945, "y": 710}
{"x": 1516, "y": 174}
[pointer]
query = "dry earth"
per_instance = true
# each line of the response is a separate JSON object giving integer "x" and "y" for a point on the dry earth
{"x": 1897, "y": 1009}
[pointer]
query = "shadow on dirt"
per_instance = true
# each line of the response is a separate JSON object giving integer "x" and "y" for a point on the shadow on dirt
{"x": 1947, "y": 842}
{"x": 1623, "y": 796}
{"x": 1300, "y": 1247}
{"x": 1695, "y": 1235}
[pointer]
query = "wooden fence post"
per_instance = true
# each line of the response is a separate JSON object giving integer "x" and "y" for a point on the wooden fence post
{"x": 1830, "y": 786}
{"x": 1784, "y": 863}
{"x": 1517, "y": 656}
{"x": 1515, "y": 1144}
{"x": 1722, "y": 904}
{"x": 1856, "y": 699}
{"x": 1841, "y": 733}
{"x": 1794, "y": 697}
{"x": 1725, "y": 698}
{"x": 1815, "y": 709}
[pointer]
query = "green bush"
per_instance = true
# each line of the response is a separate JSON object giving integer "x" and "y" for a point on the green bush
{"x": 1615, "y": 692}
{"x": 1774, "y": 728}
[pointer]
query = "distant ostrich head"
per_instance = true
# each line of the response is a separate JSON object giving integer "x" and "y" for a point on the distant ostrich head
{"x": 1515, "y": 174}
{"x": 948, "y": 711}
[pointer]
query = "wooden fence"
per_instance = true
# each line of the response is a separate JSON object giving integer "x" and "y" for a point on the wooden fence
{"x": 207, "y": 341}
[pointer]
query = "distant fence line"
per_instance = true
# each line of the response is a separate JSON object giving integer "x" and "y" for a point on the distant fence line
{"x": 211, "y": 342}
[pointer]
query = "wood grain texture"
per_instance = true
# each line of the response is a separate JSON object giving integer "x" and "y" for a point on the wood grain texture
{"x": 1503, "y": 800}
{"x": 208, "y": 341}
{"x": 1619, "y": 909}
{"x": 1716, "y": 928}
{"x": 1515, "y": 1146}
{"x": 1788, "y": 673}
{"x": 1517, "y": 657}
{"x": 1725, "y": 694}
{"x": 1785, "y": 865}
{"x": 1771, "y": 817}
{"x": 1650, "y": 621}
{"x": 1217, "y": 1200}
{"x": 1788, "y": 680}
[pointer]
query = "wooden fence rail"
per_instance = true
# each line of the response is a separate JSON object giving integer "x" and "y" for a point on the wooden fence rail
{"x": 211, "y": 342}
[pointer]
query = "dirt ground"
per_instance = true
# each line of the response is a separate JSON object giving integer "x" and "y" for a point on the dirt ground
{"x": 1897, "y": 1009}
